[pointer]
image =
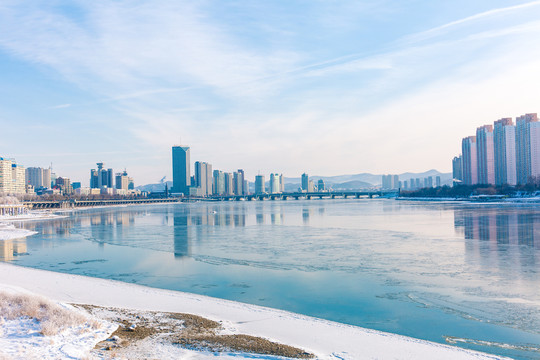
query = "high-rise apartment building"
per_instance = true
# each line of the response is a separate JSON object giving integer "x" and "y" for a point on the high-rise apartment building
{"x": 504, "y": 145}
{"x": 101, "y": 178}
{"x": 122, "y": 180}
{"x": 12, "y": 177}
{"x": 181, "y": 169}
{"x": 65, "y": 185}
{"x": 535, "y": 150}
{"x": 228, "y": 180}
{"x": 241, "y": 177}
{"x": 320, "y": 185}
{"x": 18, "y": 173}
{"x": 485, "y": 155}
{"x": 311, "y": 186}
{"x": 469, "y": 160}
{"x": 34, "y": 177}
{"x": 457, "y": 171}
{"x": 203, "y": 177}
{"x": 523, "y": 146}
{"x": 274, "y": 185}
{"x": 305, "y": 181}
{"x": 259, "y": 184}
{"x": 6, "y": 176}
{"x": 47, "y": 178}
{"x": 219, "y": 182}
{"x": 390, "y": 182}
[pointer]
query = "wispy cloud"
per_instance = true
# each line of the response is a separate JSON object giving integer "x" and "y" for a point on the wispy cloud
{"x": 437, "y": 31}
{"x": 270, "y": 95}
{"x": 62, "y": 106}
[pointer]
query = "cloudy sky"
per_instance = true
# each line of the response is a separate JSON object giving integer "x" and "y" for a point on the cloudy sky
{"x": 320, "y": 86}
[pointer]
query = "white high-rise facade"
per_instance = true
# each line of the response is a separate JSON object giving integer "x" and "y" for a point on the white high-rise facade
{"x": 274, "y": 184}
{"x": 12, "y": 177}
{"x": 259, "y": 184}
{"x": 523, "y": 147}
{"x": 6, "y": 177}
{"x": 485, "y": 155}
{"x": 534, "y": 129}
{"x": 34, "y": 177}
{"x": 203, "y": 177}
{"x": 469, "y": 161}
{"x": 504, "y": 144}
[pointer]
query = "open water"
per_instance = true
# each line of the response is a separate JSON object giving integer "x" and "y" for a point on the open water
{"x": 453, "y": 273}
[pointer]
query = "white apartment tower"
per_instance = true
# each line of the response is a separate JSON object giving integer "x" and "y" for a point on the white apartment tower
{"x": 12, "y": 177}
{"x": 468, "y": 160}
{"x": 485, "y": 155}
{"x": 274, "y": 184}
{"x": 523, "y": 146}
{"x": 504, "y": 144}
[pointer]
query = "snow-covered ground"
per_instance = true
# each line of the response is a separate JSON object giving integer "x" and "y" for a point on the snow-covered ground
{"x": 325, "y": 339}
{"x": 33, "y": 327}
{"x": 10, "y": 232}
{"x": 31, "y": 215}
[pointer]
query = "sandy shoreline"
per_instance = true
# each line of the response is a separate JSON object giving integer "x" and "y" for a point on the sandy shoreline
{"x": 325, "y": 339}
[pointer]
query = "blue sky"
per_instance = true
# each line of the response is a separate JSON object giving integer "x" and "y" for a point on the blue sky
{"x": 324, "y": 87}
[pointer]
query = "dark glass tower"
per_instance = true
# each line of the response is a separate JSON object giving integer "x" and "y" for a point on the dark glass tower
{"x": 181, "y": 169}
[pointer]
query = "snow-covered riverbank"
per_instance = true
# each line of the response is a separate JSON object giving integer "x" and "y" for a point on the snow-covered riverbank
{"x": 10, "y": 232}
{"x": 325, "y": 339}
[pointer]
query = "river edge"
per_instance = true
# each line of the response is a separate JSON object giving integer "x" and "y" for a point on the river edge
{"x": 325, "y": 339}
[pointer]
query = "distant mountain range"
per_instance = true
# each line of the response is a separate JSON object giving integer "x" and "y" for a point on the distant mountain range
{"x": 339, "y": 182}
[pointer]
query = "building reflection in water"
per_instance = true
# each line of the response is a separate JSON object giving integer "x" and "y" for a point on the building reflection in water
{"x": 306, "y": 213}
{"x": 9, "y": 249}
{"x": 499, "y": 226}
{"x": 181, "y": 232}
{"x": 193, "y": 224}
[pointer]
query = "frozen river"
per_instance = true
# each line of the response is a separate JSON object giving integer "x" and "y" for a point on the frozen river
{"x": 455, "y": 273}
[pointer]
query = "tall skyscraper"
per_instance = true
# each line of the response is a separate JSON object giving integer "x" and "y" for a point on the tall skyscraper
{"x": 229, "y": 188}
{"x": 274, "y": 184}
{"x": 523, "y": 146}
{"x": 219, "y": 183}
{"x": 6, "y": 176}
{"x": 101, "y": 178}
{"x": 485, "y": 155}
{"x": 238, "y": 183}
{"x": 122, "y": 180}
{"x": 259, "y": 184}
{"x": 34, "y": 177}
{"x": 181, "y": 169}
{"x": 18, "y": 174}
{"x": 390, "y": 182}
{"x": 209, "y": 179}
{"x": 94, "y": 179}
{"x": 241, "y": 179}
{"x": 457, "y": 171}
{"x": 535, "y": 150}
{"x": 305, "y": 181}
{"x": 504, "y": 146}
{"x": 47, "y": 178}
{"x": 469, "y": 161}
{"x": 201, "y": 177}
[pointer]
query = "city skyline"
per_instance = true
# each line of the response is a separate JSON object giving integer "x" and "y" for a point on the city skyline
{"x": 272, "y": 84}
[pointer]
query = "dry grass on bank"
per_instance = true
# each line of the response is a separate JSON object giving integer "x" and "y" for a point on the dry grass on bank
{"x": 53, "y": 318}
{"x": 184, "y": 330}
